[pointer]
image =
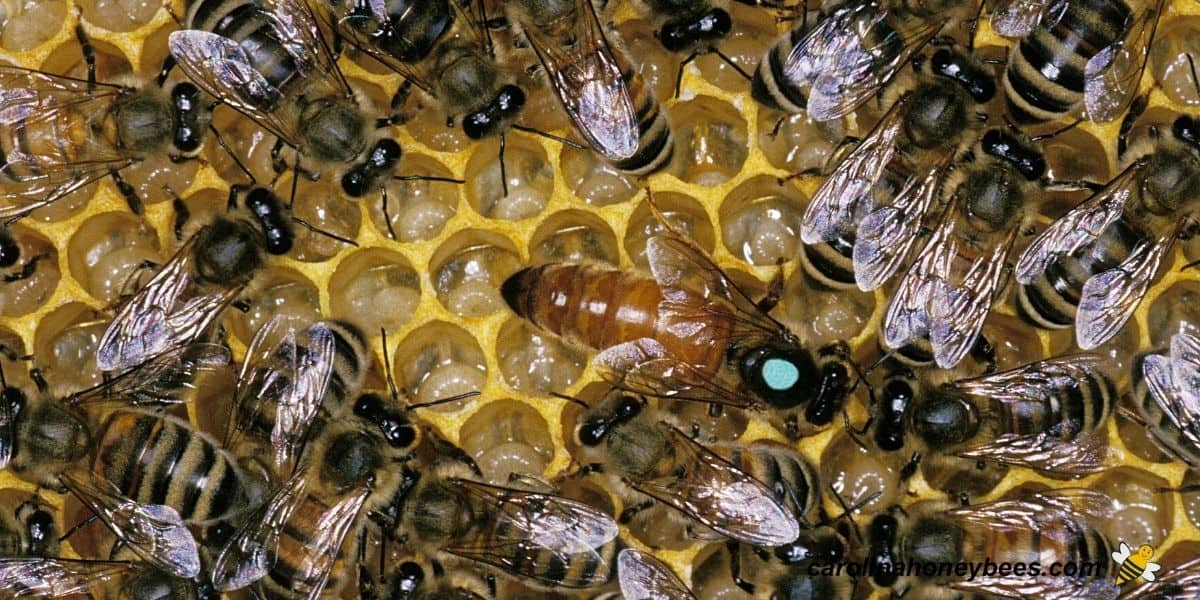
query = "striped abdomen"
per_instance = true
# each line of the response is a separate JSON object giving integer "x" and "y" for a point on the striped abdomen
{"x": 1054, "y": 540}
{"x": 243, "y": 22}
{"x": 656, "y": 142}
{"x": 1162, "y": 426}
{"x": 783, "y": 471}
{"x": 1070, "y": 411}
{"x": 288, "y": 578}
{"x": 156, "y": 459}
{"x": 1052, "y": 300}
{"x": 1045, "y": 75}
{"x": 599, "y": 308}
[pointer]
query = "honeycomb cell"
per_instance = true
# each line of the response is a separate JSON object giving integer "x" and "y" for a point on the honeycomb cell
{"x": 1143, "y": 510}
{"x": 959, "y": 477}
{"x": 823, "y": 315}
{"x": 108, "y": 252}
{"x": 593, "y": 179}
{"x": 439, "y": 360}
{"x": 527, "y": 172}
{"x": 12, "y": 355}
{"x": 532, "y": 361}
{"x": 573, "y": 236}
{"x": 26, "y": 24}
{"x": 119, "y": 15}
{"x": 416, "y": 209}
{"x": 855, "y": 473}
{"x": 468, "y": 269}
{"x": 25, "y": 286}
{"x": 1072, "y": 156}
{"x": 507, "y": 437}
{"x": 1173, "y": 59}
{"x": 427, "y": 124}
{"x": 1171, "y": 310}
{"x": 65, "y": 347}
{"x": 1118, "y": 351}
{"x": 760, "y": 221}
{"x": 543, "y": 112}
{"x": 375, "y": 288}
{"x": 797, "y": 143}
{"x": 753, "y": 32}
{"x": 684, "y": 214}
{"x": 711, "y": 141}
{"x": 712, "y": 575}
{"x": 1134, "y": 434}
{"x": 655, "y": 64}
{"x": 660, "y": 527}
{"x": 1013, "y": 340}
{"x": 248, "y": 144}
{"x": 1189, "y": 496}
{"x": 320, "y": 205}
{"x": 277, "y": 291}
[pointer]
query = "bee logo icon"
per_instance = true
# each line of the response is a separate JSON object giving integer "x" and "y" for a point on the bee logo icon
{"x": 1135, "y": 564}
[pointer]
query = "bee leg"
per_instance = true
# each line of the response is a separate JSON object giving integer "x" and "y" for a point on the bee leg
{"x": 27, "y": 270}
{"x": 80, "y": 525}
{"x": 984, "y": 351}
{"x": 167, "y": 66}
{"x": 490, "y": 580}
{"x": 277, "y": 163}
{"x": 735, "y": 568}
{"x": 387, "y": 218}
{"x": 89, "y": 55}
{"x": 328, "y": 234}
{"x": 679, "y": 74}
{"x": 911, "y": 468}
{"x": 774, "y": 290}
{"x": 130, "y": 194}
{"x": 503, "y": 173}
{"x": 241, "y": 305}
{"x": 233, "y": 155}
{"x": 629, "y": 512}
{"x": 1135, "y": 111}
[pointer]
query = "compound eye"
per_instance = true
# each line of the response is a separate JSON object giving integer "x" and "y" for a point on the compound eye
{"x": 400, "y": 435}
{"x": 355, "y": 183}
{"x": 368, "y": 406}
{"x": 510, "y": 100}
{"x": 409, "y": 575}
{"x": 629, "y": 407}
{"x": 591, "y": 432}
{"x": 476, "y": 125}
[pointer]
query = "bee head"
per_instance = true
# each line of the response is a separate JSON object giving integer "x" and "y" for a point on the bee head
{"x": 594, "y": 429}
{"x": 820, "y": 545}
{"x": 229, "y": 251}
{"x": 1006, "y": 146}
{"x": 1187, "y": 129}
{"x": 406, "y": 579}
{"x": 395, "y": 427}
{"x": 945, "y": 420}
{"x": 683, "y": 34}
{"x": 783, "y": 376}
{"x": 966, "y": 71}
{"x": 40, "y": 528}
{"x": 503, "y": 109}
{"x": 272, "y": 218}
{"x": 881, "y": 536}
{"x": 369, "y": 174}
{"x": 192, "y": 117}
{"x": 889, "y": 430}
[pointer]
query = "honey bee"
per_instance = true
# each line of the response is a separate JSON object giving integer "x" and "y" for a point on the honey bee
{"x": 293, "y": 546}
{"x": 64, "y": 577}
{"x": 28, "y": 530}
{"x": 268, "y": 60}
{"x": 1169, "y": 407}
{"x": 687, "y": 333}
{"x": 1089, "y": 52}
{"x": 831, "y": 69}
{"x": 1049, "y": 415}
{"x": 652, "y": 460}
{"x": 607, "y": 100}
{"x": 58, "y": 134}
{"x": 538, "y": 537}
{"x": 1094, "y": 264}
{"x": 867, "y": 214}
{"x": 408, "y": 581}
{"x": 40, "y": 436}
{"x": 177, "y": 306}
{"x": 643, "y": 577}
{"x": 948, "y": 291}
{"x": 287, "y": 376}
{"x": 1042, "y": 531}
{"x": 691, "y": 26}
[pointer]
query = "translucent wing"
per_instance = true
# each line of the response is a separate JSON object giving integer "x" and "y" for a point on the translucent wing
{"x": 154, "y": 532}
{"x": 528, "y": 528}
{"x": 886, "y": 234}
{"x": 588, "y": 81}
{"x": 1181, "y": 407}
{"x": 858, "y": 71}
{"x": 643, "y": 577}
{"x": 643, "y": 366}
{"x": 844, "y": 197}
{"x": 296, "y": 27}
{"x": 1047, "y": 588}
{"x": 1083, "y": 225}
{"x": 331, "y": 529}
{"x": 1112, "y": 76}
{"x": 249, "y": 554}
{"x": 8, "y": 433}
{"x": 47, "y": 155}
{"x": 163, "y": 379}
{"x": 45, "y": 577}
{"x": 1036, "y": 382}
{"x": 1108, "y": 299}
{"x": 1082, "y": 455}
{"x": 1017, "y": 18}
{"x": 1185, "y": 368}
{"x": 721, "y": 496}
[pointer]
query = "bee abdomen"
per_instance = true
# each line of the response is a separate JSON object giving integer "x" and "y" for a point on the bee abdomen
{"x": 831, "y": 263}
{"x": 771, "y": 86}
{"x": 656, "y": 142}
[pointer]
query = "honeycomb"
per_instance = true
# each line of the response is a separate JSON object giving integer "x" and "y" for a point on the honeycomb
{"x": 434, "y": 287}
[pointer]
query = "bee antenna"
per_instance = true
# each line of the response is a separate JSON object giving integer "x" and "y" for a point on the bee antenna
{"x": 427, "y": 178}
{"x": 327, "y": 234}
{"x": 550, "y": 136}
{"x": 729, "y": 61}
{"x": 1038, "y": 138}
{"x": 456, "y": 398}
{"x": 572, "y": 399}
{"x": 1192, "y": 69}
{"x": 387, "y": 365}
{"x": 1190, "y": 265}
{"x": 232, "y": 155}
{"x": 3, "y": 380}
{"x": 878, "y": 362}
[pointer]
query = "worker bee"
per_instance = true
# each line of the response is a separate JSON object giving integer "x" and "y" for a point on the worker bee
{"x": 1049, "y": 415}
{"x": 286, "y": 377}
{"x": 947, "y": 293}
{"x": 606, "y": 98}
{"x": 1089, "y": 52}
{"x": 539, "y": 537}
{"x": 693, "y": 27}
{"x": 1051, "y": 534}
{"x": 867, "y": 214}
{"x": 1094, "y": 264}
{"x": 65, "y": 577}
{"x": 643, "y": 577}
{"x": 831, "y": 69}
{"x": 177, "y": 306}
{"x": 294, "y": 544}
{"x": 1169, "y": 407}
{"x": 687, "y": 333}
{"x": 268, "y": 60}
{"x": 59, "y": 134}
{"x": 40, "y": 436}
{"x": 652, "y": 460}
{"x": 28, "y": 530}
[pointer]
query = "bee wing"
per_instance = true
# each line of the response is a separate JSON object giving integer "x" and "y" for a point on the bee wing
{"x": 1035, "y": 382}
{"x": 643, "y": 366}
{"x": 1079, "y": 227}
{"x": 1030, "y": 512}
{"x": 1183, "y": 581}
{"x": 1083, "y": 455}
{"x": 844, "y": 195}
{"x": 1185, "y": 369}
{"x": 8, "y": 433}
{"x": 682, "y": 268}
{"x": 296, "y": 27}
{"x": 1112, "y": 76}
{"x": 1151, "y": 569}
{"x": 140, "y": 329}
{"x": 885, "y": 235}
{"x": 1017, "y": 18}
{"x": 331, "y": 529}
{"x": 588, "y": 81}
{"x": 154, "y": 532}
{"x": 643, "y": 577}
{"x": 299, "y": 403}
{"x": 35, "y": 105}
{"x": 159, "y": 380}
{"x": 47, "y": 577}
{"x": 856, "y": 72}
{"x": 524, "y": 525}
{"x": 723, "y": 497}
{"x": 1108, "y": 299}
{"x": 1123, "y": 553}
{"x": 248, "y": 555}
{"x": 1182, "y": 408}
{"x": 1047, "y": 588}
